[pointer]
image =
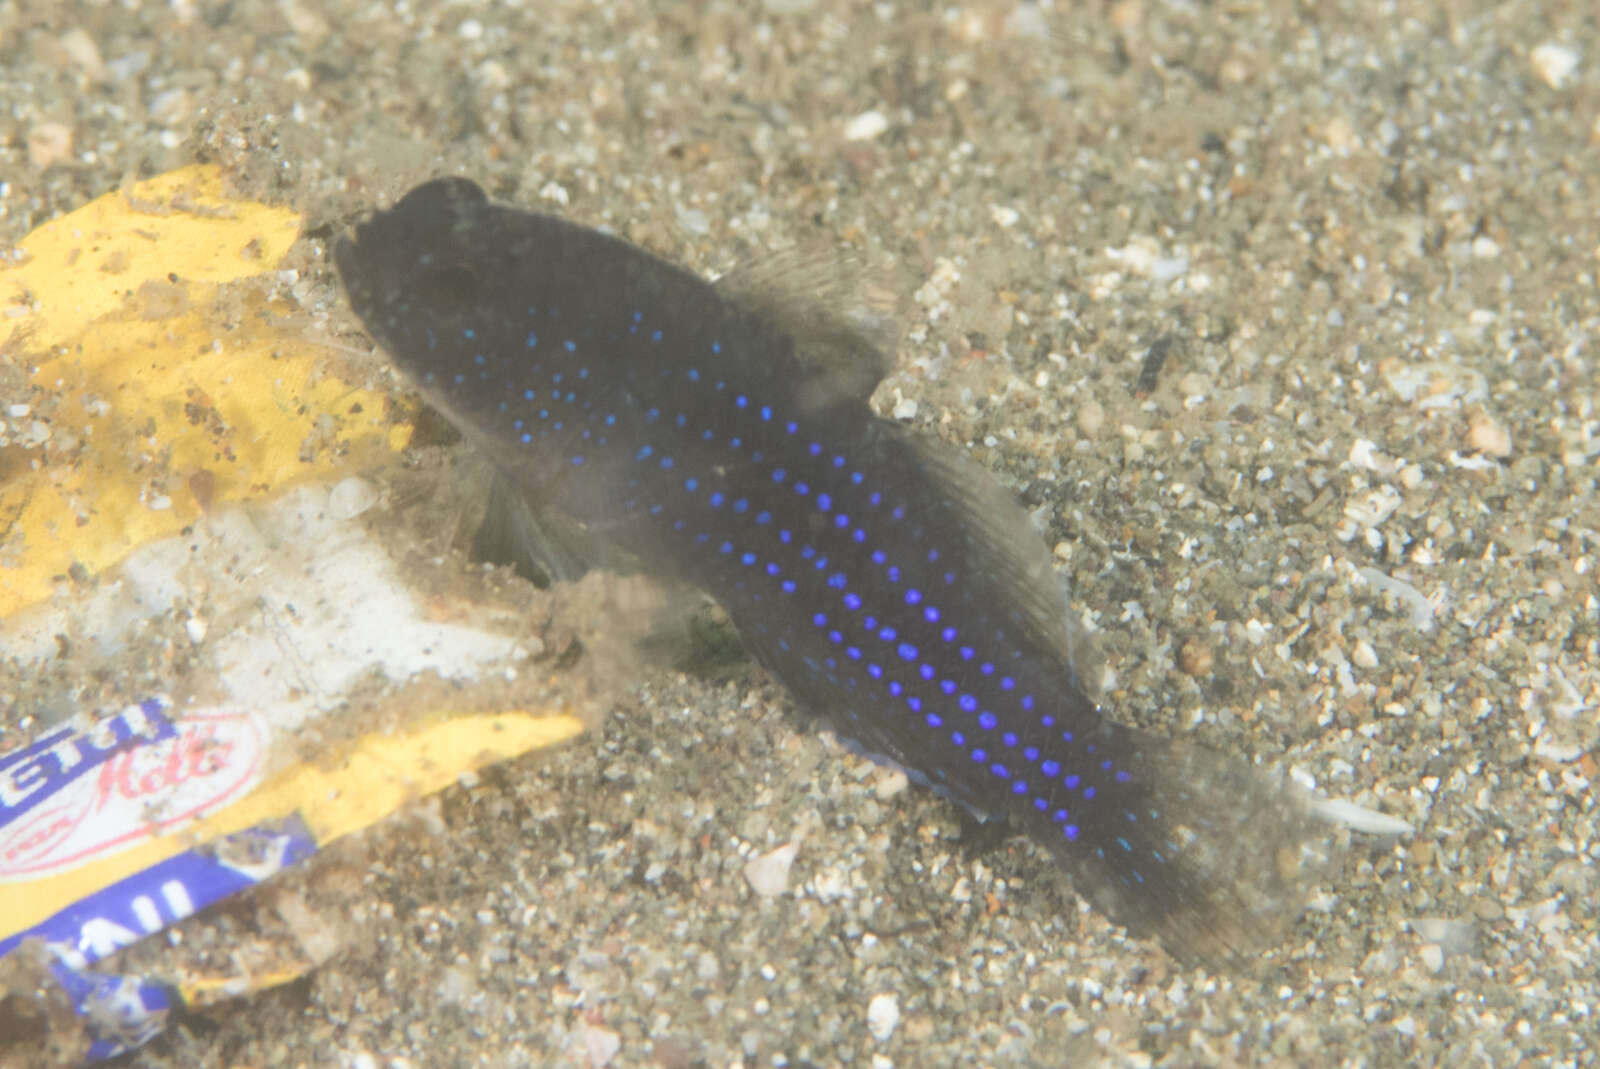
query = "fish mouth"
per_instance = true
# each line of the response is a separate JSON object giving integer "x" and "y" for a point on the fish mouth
{"x": 369, "y": 284}
{"x": 350, "y": 253}
{"x": 362, "y": 272}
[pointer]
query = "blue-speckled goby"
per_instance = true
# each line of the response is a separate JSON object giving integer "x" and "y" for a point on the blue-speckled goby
{"x": 724, "y": 439}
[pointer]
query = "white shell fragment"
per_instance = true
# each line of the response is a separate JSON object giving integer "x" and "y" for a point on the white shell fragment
{"x": 1358, "y": 817}
{"x": 1421, "y": 605}
{"x": 1143, "y": 257}
{"x": 351, "y": 497}
{"x": 1434, "y": 383}
{"x": 768, "y": 874}
{"x": 866, "y": 126}
{"x": 1554, "y": 64}
{"x": 1372, "y": 508}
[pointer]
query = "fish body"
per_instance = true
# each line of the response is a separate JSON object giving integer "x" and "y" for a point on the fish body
{"x": 725, "y": 440}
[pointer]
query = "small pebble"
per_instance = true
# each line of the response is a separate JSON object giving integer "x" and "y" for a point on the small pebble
{"x": 1195, "y": 658}
{"x": 1488, "y": 435}
{"x": 81, "y": 49}
{"x": 1451, "y": 936}
{"x": 601, "y": 1044}
{"x": 1004, "y": 217}
{"x": 1091, "y": 418}
{"x": 1340, "y": 135}
{"x": 883, "y": 1015}
{"x": 171, "y": 108}
{"x": 48, "y": 143}
{"x": 1364, "y": 454}
{"x": 892, "y": 783}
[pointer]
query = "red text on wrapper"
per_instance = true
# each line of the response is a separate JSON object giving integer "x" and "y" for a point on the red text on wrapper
{"x": 135, "y": 793}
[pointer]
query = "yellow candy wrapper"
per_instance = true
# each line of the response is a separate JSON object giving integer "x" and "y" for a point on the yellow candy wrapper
{"x": 170, "y": 439}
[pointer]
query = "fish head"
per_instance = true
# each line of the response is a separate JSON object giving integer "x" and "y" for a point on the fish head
{"x": 423, "y": 277}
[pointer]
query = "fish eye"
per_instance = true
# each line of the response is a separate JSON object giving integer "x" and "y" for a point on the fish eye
{"x": 449, "y": 286}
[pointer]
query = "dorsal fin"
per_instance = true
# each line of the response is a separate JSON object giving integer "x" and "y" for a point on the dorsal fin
{"x": 843, "y": 326}
{"x": 1002, "y": 539}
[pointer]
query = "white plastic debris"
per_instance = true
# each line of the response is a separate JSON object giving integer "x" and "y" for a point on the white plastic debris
{"x": 315, "y": 604}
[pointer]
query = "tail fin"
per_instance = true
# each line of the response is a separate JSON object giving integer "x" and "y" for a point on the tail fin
{"x": 1204, "y": 854}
